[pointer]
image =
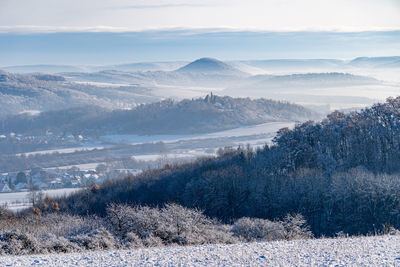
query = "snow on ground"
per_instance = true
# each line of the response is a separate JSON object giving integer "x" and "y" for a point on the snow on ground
{"x": 103, "y": 84}
{"x": 20, "y": 200}
{"x": 362, "y": 251}
{"x": 86, "y": 166}
{"x": 61, "y": 150}
{"x": 265, "y": 128}
{"x": 183, "y": 155}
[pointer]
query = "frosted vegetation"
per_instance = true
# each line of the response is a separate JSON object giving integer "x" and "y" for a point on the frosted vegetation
{"x": 338, "y": 177}
{"x": 130, "y": 227}
{"x": 335, "y": 178}
{"x": 340, "y": 174}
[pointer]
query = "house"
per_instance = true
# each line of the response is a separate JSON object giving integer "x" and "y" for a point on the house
{"x": 4, "y": 188}
{"x": 56, "y": 183}
{"x": 41, "y": 185}
{"x": 3, "y": 177}
{"x": 21, "y": 187}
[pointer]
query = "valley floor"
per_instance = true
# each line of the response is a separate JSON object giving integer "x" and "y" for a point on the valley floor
{"x": 361, "y": 251}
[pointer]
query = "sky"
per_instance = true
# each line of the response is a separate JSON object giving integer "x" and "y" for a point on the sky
{"x": 121, "y": 31}
{"x": 136, "y": 15}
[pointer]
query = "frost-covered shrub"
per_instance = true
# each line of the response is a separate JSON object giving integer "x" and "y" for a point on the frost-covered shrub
{"x": 58, "y": 244}
{"x": 141, "y": 221}
{"x": 52, "y": 233}
{"x": 135, "y": 227}
{"x": 4, "y": 213}
{"x": 185, "y": 226}
{"x": 296, "y": 227}
{"x": 341, "y": 234}
{"x": 95, "y": 240}
{"x": 218, "y": 234}
{"x": 389, "y": 229}
{"x": 153, "y": 241}
{"x": 63, "y": 224}
{"x": 132, "y": 241}
{"x": 182, "y": 226}
{"x": 253, "y": 229}
{"x": 173, "y": 224}
{"x": 15, "y": 243}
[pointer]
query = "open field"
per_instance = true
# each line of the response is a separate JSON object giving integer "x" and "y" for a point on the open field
{"x": 20, "y": 200}
{"x": 362, "y": 251}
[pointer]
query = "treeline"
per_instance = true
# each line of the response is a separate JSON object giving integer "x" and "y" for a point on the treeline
{"x": 212, "y": 113}
{"x": 341, "y": 174}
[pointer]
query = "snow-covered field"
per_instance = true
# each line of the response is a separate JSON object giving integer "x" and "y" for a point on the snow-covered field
{"x": 20, "y": 200}
{"x": 265, "y": 128}
{"x": 61, "y": 150}
{"x": 362, "y": 251}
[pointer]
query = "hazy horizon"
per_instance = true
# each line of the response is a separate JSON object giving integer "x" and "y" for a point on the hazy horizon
{"x": 102, "y": 48}
{"x": 102, "y": 32}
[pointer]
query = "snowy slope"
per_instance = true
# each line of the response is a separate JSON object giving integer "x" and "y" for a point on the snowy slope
{"x": 364, "y": 251}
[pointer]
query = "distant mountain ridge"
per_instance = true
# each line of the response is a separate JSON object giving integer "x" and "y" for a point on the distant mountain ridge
{"x": 239, "y": 65}
{"x": 210, "y": 65}
{"x": 376, "y": 62}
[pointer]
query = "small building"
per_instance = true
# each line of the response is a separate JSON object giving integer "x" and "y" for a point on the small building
{"x": 21, "y": 187}
{"x": 4, "y": 188}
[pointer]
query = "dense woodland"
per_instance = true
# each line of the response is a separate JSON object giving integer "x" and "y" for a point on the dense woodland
{"x": 341, "y": 174}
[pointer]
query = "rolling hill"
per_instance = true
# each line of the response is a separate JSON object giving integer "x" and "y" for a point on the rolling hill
{"x": 376, "y": 62}
{"x": 202, "y": 115}
{"x": 210, "y": 66}
{"x": 41, "y": 92}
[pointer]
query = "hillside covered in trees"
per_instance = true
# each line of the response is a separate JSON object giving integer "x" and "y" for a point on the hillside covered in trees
{"x": 43, "y": 92}
{"x": 341, "y": 174}
{"x": 201, "y": 115}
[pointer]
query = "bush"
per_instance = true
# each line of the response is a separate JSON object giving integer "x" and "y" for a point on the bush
{"x": 172, "y": 224}
{"x": 132, "y": 241}
{"x": 153, "y": 241}
{"x": 252, "y": 229}
{"x": 141, "y": 221}
{"x": 95, "y": 240}
{"x": 29, "y": 234}
{"x": 58, "y": 244}
{"x": 296, "y": 227}
{"x": 136, "y": 227}
{"x": 14, "y": 243}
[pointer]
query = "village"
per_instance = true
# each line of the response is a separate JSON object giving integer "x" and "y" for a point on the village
{"x": 12, "y": 142}
{"x": 46, "y": 179}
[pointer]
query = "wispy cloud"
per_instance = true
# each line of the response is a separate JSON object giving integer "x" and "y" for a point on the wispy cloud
{"x": 27, "y": 29}
{"x": 53, "y": 29}
{"x": 238, "y": 15}
{"x": 155, "y": 6}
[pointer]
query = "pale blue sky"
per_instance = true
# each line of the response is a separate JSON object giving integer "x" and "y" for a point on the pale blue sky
{"x": 122, "y": 31}
{"x": 134, "y": 15}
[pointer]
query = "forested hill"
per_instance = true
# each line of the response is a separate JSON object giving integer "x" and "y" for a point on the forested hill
{"x": 43, "y": 92}
{"x": 341, "y": 174}
{"x": 212, "y": 113}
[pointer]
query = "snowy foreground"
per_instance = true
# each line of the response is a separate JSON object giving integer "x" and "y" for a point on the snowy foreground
{"x": 364, "y": 251}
